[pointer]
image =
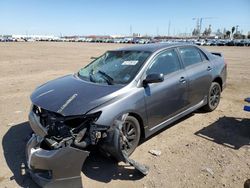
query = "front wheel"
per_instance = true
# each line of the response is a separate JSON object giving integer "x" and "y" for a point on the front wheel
{"x": 132, "y": 132}
{"x": 213, "y": 97}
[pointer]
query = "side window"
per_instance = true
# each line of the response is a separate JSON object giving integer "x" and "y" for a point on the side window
{"x": 165, "y": 63}
{"x": 203, "y": 56}
{"x": 190, "y": 56}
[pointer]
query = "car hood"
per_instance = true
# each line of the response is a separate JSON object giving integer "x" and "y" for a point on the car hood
{"x": 70, "y": 95}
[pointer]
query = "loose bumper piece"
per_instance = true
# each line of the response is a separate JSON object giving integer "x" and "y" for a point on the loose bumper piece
{"x": 55, "y": 168}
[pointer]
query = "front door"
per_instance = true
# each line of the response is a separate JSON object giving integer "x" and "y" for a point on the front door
{"x": 167, "y": 98}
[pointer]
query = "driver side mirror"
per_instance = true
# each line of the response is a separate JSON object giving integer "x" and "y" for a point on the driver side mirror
{"x": 153, "y": 78}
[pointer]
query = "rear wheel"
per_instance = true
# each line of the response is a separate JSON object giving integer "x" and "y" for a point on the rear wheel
{"x": 213, "y": 97}
{"x": 132, "y": 132}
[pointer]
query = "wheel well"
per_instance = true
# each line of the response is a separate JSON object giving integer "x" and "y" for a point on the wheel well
{"x": 140, "y": 122}
{"x": 219, "y": 81}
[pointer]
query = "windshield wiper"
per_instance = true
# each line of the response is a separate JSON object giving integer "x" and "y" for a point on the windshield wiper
{"x": 107, "y": 78}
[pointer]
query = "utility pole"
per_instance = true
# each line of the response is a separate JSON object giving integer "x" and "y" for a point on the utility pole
{"x": 130, "y": 30}
{"x": 237, "y": 27}
{"x": 200, "y": 25}
{"x": 169, "y": 24}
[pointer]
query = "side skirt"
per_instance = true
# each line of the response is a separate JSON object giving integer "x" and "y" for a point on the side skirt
{"x": 174, "y": 118}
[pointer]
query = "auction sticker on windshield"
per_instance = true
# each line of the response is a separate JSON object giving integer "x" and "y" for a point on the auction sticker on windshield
{"x": 130, "y": 62}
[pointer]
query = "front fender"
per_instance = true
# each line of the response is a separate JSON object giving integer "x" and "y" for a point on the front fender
{"x": 130, "y": 102}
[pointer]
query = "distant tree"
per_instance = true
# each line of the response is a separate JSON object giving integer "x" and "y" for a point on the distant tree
{"x": 239, "y": 36}
{"x": 236, "y": 36}
{"x": 209, "y": 31}
{"x": 219, "y": 34}
{"x": 195, "y": 32}
{"x": 248, "y": 36}
{"x": 233, "y": 29}
{"x": 224, "y": 31}
{"x": 205, "y": 33}
{"x": 228, "y": 34}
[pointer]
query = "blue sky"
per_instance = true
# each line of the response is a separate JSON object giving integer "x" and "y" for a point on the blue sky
{"x": 84, "y": 17}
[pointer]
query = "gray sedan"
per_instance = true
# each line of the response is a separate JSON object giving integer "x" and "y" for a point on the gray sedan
{"x": 121, "y": 97}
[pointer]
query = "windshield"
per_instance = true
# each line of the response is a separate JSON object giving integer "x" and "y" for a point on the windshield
{"x": 114, "y": 67}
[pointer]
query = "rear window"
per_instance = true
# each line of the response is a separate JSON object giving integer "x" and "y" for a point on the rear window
{"x": 203, "y": 56}
{"x": 190, "y": 56}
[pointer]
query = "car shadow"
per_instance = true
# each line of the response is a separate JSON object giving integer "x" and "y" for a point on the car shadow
{"x": 105, "y": 169}
{"x": 228, "y": 131}
{"x": 167, "y": 127}
{"x": 14, "y": 142}
{"x": 97, "y": 166}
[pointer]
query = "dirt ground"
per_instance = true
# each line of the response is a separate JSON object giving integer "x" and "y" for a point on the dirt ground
{"x": 202, "y": 150}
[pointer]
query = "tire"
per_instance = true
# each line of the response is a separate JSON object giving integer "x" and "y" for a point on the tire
{"x": 213, "y": 97}
{"x": 131, "y": 130}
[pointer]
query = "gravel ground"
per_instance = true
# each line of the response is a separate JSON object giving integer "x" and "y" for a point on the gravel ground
{"x": 201, "y": 150}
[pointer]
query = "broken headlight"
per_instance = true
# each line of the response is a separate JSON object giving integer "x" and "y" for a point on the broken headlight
{"x": 61, "y": 127}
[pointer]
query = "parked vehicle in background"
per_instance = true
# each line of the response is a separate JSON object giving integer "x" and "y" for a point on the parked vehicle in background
{"x": 239, "y": 43}
{"x": 246, "y": 107}
{"x": 230, "y": 43}
{"x": 200, "y": 42}
{"x": 221, "y": 43}
{"x": 131, "y": 40}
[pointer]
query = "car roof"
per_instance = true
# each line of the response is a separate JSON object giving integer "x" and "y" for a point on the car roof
{"x": 152, "y": 47}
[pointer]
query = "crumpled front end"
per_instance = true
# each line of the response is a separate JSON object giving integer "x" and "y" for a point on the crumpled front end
{"x": 58, "y": 148}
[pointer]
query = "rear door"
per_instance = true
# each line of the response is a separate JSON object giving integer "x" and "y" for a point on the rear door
{"x": 199, "y": 73}
{"x": 167, "y": 98}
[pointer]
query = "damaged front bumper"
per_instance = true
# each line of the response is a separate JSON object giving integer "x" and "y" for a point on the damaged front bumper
{"x": 53, "y": 162}
{"x": 58, "y": 148}
{"x": 55, "y": 153}
{"x": 54, "y": 168}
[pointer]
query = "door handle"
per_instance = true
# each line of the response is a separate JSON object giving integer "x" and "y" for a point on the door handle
{"x": 182, "y": 80}
{"x": 209, "y": 68}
